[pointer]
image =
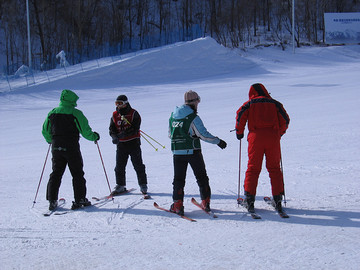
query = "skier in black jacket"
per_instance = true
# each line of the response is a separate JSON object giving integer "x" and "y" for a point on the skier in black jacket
{"x": 125, "y": 133}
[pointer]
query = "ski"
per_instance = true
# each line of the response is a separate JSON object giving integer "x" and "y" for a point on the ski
{"x": 281, "y": 213}
{"x": 146, "y": 196}
{"x": 103, "y": 202}
{"x": 210, "y": 213}
{"x": 252, "y": 213}
{"x": 61, "y": 202}
{"x": 107, "y": 197}
{"x": 166, "y": 210}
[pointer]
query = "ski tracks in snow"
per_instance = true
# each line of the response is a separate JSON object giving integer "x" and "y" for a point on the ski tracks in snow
{"x": 121, "y": 211}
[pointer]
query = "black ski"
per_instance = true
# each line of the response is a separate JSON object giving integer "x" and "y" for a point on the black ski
{"x": 210, "y": 213}
{"x": 281, "y": 213}
{"x": 166, "y": 210}
{"x": 107, "y": 197}
{"x": 251, "y": 213}
{"x": 61, "y": 202}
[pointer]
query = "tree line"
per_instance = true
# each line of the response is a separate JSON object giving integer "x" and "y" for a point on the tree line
{"x": 88, "y": 29}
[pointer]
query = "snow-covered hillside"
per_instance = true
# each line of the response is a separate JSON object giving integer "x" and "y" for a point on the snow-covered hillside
{"x": 318, "y": 86}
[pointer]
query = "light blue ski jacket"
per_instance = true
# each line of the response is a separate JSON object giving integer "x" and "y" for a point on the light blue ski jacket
{"x": 197, "y": 129}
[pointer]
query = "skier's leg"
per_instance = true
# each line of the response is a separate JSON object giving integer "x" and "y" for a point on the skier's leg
{"x": 58, "y": 168}
{"x": 255, "y": 154}
{"x": 273, "y": 156}
{"x": 75, "y": 163}
{"x": 139, "y": 167}
{"x": 198, "y": 166}
{"x": 122, "y": 157}
{"x": 180, "y": 166}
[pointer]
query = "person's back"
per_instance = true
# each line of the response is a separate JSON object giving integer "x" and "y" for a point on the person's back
{"x": 61, "y": 128}
{"x": 267, "y": 122}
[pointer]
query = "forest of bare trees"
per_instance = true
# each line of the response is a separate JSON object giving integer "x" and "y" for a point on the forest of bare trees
{"x": 87, "y": 29}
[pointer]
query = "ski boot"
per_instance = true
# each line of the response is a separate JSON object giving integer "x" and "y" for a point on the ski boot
{"x": 143, "y": 189}
{"x": 249, "y": 202}
{"x": 118, "y": 190}
{"x": 177, "y": 207}
{"x": 206, "y": 204}
{"x": 277, "y": 203}
{"x": 81, "y": 203}
{"x": 52, "y": 205}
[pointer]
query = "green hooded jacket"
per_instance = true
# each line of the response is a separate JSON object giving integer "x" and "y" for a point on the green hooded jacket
{"x": 57, "y": 122}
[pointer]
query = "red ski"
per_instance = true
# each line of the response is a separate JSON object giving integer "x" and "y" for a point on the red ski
{"x": 210, "y": 213}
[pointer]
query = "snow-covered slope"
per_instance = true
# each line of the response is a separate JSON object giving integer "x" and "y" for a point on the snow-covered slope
{"x": 317, "y": 86}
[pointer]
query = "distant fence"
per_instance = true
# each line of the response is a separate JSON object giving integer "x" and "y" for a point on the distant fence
{"x": 33, "y": 77}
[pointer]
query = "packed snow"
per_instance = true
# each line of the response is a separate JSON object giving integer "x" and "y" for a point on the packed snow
{"x": 318, "y": 87}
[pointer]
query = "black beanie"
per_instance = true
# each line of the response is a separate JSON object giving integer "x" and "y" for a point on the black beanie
{"x": 122, "y": 98}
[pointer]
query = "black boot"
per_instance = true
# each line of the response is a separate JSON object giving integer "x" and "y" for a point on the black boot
{"x": 53, "y": 204}
{"x": 249, "y": 202}
{"x": 277, "y": 202}
{"x": 81, "y": 203}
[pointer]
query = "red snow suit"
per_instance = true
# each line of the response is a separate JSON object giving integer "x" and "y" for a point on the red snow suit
{"x": 267, "y": 122}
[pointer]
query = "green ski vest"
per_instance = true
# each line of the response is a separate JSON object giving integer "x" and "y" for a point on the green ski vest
{"x": 180, "y": 137}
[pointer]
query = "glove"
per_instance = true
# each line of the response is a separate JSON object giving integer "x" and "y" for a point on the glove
{"x": 98, "y": 137}
{"x": 222, "y": 144}
{"x": 239, "y": 136}
{"x": 115, "y": 139}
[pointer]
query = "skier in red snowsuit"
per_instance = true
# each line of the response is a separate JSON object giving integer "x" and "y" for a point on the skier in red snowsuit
{"x": 267, "y": 122}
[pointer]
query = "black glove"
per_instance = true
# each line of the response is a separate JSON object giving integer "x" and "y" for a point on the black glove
{"x": 98, "y": 136}
{"x": 222, "y": 144}
{"x": 115, "y": 139}
{"x": 239, "y": 136}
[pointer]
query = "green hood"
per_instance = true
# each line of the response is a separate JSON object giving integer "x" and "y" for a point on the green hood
{"x": 68, "y": 98}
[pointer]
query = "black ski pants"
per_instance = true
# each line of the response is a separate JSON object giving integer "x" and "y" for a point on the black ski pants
{"x": 123, "y": 152}
{"x": 62, "y": 156}
{"x": 197, "y": 164}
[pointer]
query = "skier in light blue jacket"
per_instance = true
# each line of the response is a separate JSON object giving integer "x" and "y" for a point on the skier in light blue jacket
{"x": 186, "y": 129}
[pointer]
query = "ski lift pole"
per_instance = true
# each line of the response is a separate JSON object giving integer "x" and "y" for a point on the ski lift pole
{"x": 102, "y": 162}
{"x": 163, "y": 146}
{"x": 41, "y": 176}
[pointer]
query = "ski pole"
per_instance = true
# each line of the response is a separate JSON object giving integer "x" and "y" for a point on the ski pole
{"x": 282, "y": 172}
{"x": 149, "y": 142}
{"x": 102, "y": 162}
{"x": 163, "y": 146}
{"x": 142, "y": 133}
{"x": 238, "y": 199}
{"x": 42, "y": 173}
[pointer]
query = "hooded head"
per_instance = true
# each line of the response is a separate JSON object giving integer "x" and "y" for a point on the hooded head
{"x": 192, "y": 99}
{"x": 68, "y": 98}
{"x": 257, "y": 90}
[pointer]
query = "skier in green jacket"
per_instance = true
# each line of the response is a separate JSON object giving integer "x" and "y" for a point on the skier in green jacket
{"x": 61, "y": 129}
